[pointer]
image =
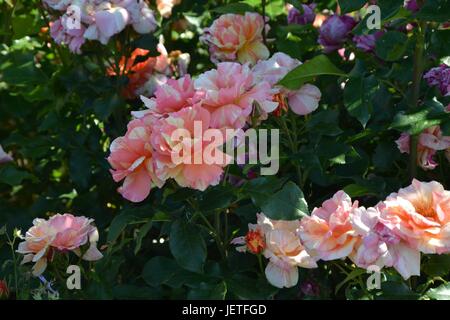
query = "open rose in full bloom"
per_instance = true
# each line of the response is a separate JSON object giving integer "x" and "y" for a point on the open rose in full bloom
{"x": 420, "y": 215}
{"x": 132, "y": 159}
{"x": 59, "y": 233}
{"x": 237, "y": 37}
{"x": 177, "y": 147}
{"x": 328, "y": 233}
{"x": 302, "y": 101}
{"x": 229, "y": 92}
{"x": 378, "y": 245}
{"x": 279, "y": 242}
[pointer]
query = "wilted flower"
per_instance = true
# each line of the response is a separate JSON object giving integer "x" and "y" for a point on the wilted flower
{"x": 430, "y": 141}
{"x": 439, "y": 77}
{"x": 237, "y": 37}
{"x": 335, "y": 31}
{"x": 306, "y": 17}
{"x": 61, "y": 232}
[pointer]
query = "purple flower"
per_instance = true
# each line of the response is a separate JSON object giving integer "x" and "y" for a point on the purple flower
{"x": 366, "y": 42}
{"x": 334, "y": 31}
{"x": 411, "y": 5}
{"x": 305, "y": 17}
{"x": 310, "y": 288}
{"x": 439, "y": 77}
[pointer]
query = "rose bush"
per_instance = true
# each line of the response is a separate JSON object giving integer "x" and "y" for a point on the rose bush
{"x": 129, "y": 114}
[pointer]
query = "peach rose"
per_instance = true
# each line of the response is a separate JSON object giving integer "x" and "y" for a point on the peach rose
{"x": 229, "y": 92}
{"x": 186, "y": 171}
{"x": 61, "y": 232}
{"x": 132, "y": 159}
{"x": 165, "y": 7}
{"x": 281, "y": 245}
{"x": 237, "y": 37}
{"x": 328, "y": 233}
{"x": 420, "y": 214}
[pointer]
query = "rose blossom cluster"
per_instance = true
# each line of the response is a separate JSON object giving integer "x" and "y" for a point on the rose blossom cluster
{"x": 81, "y": 20}
{"x": 60, "y": 233}
{"x": 145, "y": 74}
{"x": 392, "y": 234}
{"x": 430, "y": 141}
{"x": 221, "y": 98}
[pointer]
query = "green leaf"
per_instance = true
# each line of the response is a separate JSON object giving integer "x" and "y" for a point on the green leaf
{"x": 352, "y": 275}
{"x": 159, "y": 270}
{"x": 317, "y": 66}
{"x": 237, "y": 7}
{"x": 391, "y": 46}
{"x": 287, "y": 204}
{"x": 245, "y": 288}
{"x": 80, "y": 167}
{"x": 260, "y": 189}
{"x": 358, "y": 96}
{"x": 104, "y": 106}
{"x": 437, "y": 265}
{"x": 208, "y": 292}
{"x": 187, "y": 246}
{"x": 118, "y": 224}
{"x": 351, "y": 5}
{"x": 141, "y": 234}
{"x": 415, "y": 123}
{"x": 440, "y": 293}
{"x": 391, "y": 290}
{"x": 147, "y": 42}
{"x": 219, "y": 197}
{"x": 434, "y": 10}
{"x": 13, "y": 176}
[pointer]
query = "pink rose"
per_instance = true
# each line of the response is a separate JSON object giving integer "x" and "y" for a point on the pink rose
{"x": 379, "y": 246}
{"x": 229, "y": 92}
{"x": 302, "y": 101}
{"x": 165, "y": 7}
{"x": 430, "y": 141}
{"x": 132, "y": 159}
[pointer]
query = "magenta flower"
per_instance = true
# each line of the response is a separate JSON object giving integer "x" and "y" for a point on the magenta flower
{"x": 366, "y": 42}
{"x": 439, "y": 77}
{"x": 335, "y": 31}
{"x": 305, "y": 17}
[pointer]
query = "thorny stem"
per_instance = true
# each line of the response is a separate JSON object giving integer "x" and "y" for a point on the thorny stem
{"x": 11, "y": 244}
